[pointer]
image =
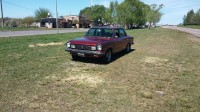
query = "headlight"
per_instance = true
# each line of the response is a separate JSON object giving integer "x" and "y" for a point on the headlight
{"x": 68, "y": 44}
{"x": 99, "y": 47}
{"x": 72, "y": 46}
{"x": 93, "y": 48}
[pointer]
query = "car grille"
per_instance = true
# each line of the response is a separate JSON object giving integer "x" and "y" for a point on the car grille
{"x": 82, "y": 47}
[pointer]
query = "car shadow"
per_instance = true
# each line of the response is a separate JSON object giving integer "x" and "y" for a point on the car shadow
{"x": 99, "y": 61}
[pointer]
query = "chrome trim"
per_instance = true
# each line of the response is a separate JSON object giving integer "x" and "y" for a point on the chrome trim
{"x": 84, "y": 51}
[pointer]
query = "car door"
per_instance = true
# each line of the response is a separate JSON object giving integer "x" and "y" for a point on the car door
{"x": 124, "y": 39}
{"x": 118, "y": 41}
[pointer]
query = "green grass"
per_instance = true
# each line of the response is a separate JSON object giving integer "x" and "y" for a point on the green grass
{"x": 191, "y": 26}
{"x": 46, "y": 79}
{"x": 27, "y": 29}
{"x": 20, "y": 29}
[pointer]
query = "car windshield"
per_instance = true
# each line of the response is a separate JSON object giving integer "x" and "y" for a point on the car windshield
{"x": 102, "y": 32}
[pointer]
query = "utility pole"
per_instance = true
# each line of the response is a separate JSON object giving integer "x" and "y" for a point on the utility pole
{"x": 91, "y": 3}
{"x": 57, "y": 17}
{"x": 2, "y": 15}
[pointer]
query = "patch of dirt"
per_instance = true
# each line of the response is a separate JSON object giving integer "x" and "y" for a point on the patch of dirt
{"x": 53, "y": 77}
{"x": 146, "y": 94}
{"x": 21, "y": 102}
{"x": 31, "y": 46}
{"x": 47, "y": 44}
{"x": 76, "y": 73}
{"x": 85, "y": 79}
{"x": 78, "y": 66}
{"x": 154, "y": 60}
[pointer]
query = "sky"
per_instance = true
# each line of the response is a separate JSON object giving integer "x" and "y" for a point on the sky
{"x": 173, "y": 10}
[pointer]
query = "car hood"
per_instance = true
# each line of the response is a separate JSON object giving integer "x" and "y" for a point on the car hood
{"x": 90, "y": 40}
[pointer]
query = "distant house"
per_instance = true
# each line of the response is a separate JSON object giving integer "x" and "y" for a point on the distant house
{"x": 84, "y": 22}
{"x": 48, "y": 22}
{"x": 74, "y": 19}
{"x": 78, "y": 21}
{"x": 65, "y": 24}
{"x": 71, "y": 21}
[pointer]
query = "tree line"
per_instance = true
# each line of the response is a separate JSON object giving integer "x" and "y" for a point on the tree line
{"x": 129, "y": 13}
{"x": 192, "y": 18}
{"x": 27, "y": 21}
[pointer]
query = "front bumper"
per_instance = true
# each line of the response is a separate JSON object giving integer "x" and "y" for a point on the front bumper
{"x": 87, "y": 53}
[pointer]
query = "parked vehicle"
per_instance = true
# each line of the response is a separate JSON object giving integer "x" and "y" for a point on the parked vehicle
{"x": 100, "y": 42}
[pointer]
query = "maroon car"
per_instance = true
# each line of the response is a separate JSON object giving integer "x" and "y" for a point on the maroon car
{"x": 100, "y": 42}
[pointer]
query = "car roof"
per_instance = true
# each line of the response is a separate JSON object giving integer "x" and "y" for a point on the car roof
{"x": 108, "y": 27}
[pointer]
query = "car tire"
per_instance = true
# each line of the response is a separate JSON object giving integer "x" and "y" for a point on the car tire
{"x": 128, "y": 48}
{"x": 108, "y": 57}
{"x": 74, "y": 57}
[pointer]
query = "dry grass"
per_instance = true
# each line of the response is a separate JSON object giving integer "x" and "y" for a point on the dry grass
{"x": 161, "y": 74}
{"x": 194, "y": 39}
{"x": 77, "y": 73}
{"x": 85, "y": 79}
{"x": 47, "y": 44}
{"x": 154, "y": 60}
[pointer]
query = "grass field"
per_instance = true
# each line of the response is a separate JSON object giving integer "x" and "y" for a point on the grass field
{"x": 19, "y": 29}
{"x": 31, "y": 28}
{"x": 191, "y": 26}
{"x": 162, "y": 73}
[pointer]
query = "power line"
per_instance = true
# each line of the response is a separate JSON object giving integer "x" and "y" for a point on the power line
{"x": 17, "y": 5}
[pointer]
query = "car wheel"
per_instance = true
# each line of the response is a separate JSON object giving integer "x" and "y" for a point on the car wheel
{"x": 74, "y": 57}
{"x": 128, "y": 48}
{"x": 108, "y": 57}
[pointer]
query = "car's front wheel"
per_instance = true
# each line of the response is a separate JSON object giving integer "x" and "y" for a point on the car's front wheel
{"x": 108, "y": 57}
{"x": 74, "y": 57}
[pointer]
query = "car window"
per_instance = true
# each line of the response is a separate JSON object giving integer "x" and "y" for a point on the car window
{"x": 97, "y": 32}
{"x": 102, "y": 32}
{"x": 108, "y": 33}
{"x": 91, "y": 32}
{"x": 117, "y": 33}
{"x": 122, "y": 33}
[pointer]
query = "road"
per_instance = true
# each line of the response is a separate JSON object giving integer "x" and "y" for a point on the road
{"x": 195, "y": 32}
{"x": 37, "y": 32}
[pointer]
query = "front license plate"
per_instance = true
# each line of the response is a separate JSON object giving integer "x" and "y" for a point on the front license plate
{"x": 81, "y": 54}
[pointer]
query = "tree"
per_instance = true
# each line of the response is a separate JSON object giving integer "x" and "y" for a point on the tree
{"x": 140, "y": 13}
{"x": 98, "y": 14}
{"x": 13, "y": 23}
{"x": 122, "y": 11}
{"x": 192, "y": 18}
{"x": 75, "y": 21}
{"x": 41, "y": 13}
{"x": 111, "y": 13}
{"x": 95, "y": 13}
{"x": 28, "y": 21}
{"x": 197, "y": 17}
{"x": 86, "y": 12}
{"x": 108, "y": 18}
{"x": 188, "y": 19}
{"x": 131, "y": 12}
{"x": 154, "y": 15}
{"x": 128, "y": 14}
